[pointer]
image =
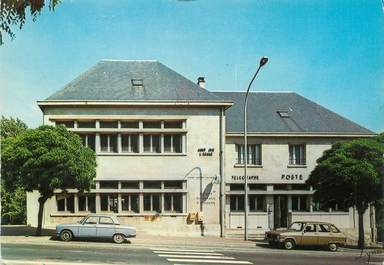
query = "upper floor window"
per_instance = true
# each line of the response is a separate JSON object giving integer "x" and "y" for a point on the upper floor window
{"x": 297, "y": 154}
{"x": 88, "y": 140}
{"x": 86, "y": 124}
{"x": 129, "y": 143}
{"x": 254, "y": 154}
{"x": 108, "y": 143}
{"x": 108, "y": 124}
{"x": 108, "y": 184}
{"x": 152, "y": 143}
{"x": 172, "y": 143}
{"x": 173, "y": 124}
{"x": 129, "y": 124}
{"x": 67, "y": 124}
{"x": 151, "y": 124}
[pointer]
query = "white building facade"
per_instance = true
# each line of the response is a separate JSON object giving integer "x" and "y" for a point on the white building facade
{"x": 170, "y": 153}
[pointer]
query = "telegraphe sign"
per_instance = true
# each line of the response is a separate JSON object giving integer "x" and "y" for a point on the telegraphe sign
{"x": 237, "y": 178}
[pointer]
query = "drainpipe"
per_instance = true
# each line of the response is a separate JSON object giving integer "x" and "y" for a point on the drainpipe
{"x": 222, "y": 177}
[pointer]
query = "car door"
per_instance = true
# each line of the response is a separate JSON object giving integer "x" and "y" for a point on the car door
{"x": 325, "y": 234}
{"x": 88, "y": 227}
{"x": 310, "y": 235}
{"x": 106, "y": 227}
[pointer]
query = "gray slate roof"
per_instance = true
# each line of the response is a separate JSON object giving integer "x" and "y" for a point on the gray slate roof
{"x": 111, "y": 80}
{"x": 305, "y": 116}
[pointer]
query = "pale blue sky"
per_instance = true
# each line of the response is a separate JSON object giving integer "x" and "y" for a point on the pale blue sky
{"x": 331, "y": 52}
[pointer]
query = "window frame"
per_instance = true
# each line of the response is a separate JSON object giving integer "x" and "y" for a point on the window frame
{"x": 255, "y": 157}
{"x": 293, "y": 160}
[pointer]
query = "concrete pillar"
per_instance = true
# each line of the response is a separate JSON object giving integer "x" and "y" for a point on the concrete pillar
{"x": 76, "y": 202}
{"x": 97, "y": 202}
{"x": 97, "y": 143}
{"x": 141, "y": 198}
{"x": 119, "y": 143}
{"x": 119, "y": 210}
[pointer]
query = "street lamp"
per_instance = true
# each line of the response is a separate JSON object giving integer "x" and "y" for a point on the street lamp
{"x": 263, "y": 61}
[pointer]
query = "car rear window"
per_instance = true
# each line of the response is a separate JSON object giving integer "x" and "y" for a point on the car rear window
{"x": 106, "y": 221}
{"x": 334, "y": 229}
{"x": 324, "y": 228}
{"x": 92, "y": 220}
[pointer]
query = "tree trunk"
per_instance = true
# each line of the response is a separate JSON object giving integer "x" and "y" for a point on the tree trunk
{"x": 42, "y": 201}
{"x": 361, "y": 241}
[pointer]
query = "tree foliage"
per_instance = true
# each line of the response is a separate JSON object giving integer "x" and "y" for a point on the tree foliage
{"x": 13, "y": 13}
{"x": 13, "y": 206}
{"x": 46, "y": 159}
{"x": 349, "y": 174}
{"x": 11, "y": 127}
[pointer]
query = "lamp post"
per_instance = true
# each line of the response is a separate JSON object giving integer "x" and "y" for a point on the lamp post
{"x": 263, "y": 61}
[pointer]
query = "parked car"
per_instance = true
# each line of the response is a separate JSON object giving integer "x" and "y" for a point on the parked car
{"x": 103, "y": 226}
{"x": 307, "y": 234}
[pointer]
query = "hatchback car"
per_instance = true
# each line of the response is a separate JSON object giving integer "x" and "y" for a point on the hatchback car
{"x": 307, "y": 234}
{"x": 103, "y": 226}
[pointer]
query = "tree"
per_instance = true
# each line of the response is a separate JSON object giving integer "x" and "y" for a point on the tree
{"x": 13, "y": 12}
{"x": 46, "y": 159}
{"x": 11, "y": 127}
{"x": 349, "y": 174}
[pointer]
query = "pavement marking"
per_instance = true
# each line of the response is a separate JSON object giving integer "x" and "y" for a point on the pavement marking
{"x": 210, "y": 261}
{"x": 182, "y": 250}
{"x": 44, "y": 262}
{"x": 196, "y": 257}
{"x": 188, "y": 253}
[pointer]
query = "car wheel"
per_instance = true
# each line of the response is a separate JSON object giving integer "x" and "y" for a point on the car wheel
{"x": 66, "y": 235}
{"x": 118, "y": 238}
{"x": 333, "y": 247}
{"x": 289, "y": 244}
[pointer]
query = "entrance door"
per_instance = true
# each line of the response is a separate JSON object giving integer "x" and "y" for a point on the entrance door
{"x": 280, "y": 209}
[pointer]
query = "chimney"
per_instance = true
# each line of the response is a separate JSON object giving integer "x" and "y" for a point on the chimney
{"x": 201, "y": 82}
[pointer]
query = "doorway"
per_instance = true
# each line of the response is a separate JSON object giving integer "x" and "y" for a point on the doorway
{"x": 280, "y": 209}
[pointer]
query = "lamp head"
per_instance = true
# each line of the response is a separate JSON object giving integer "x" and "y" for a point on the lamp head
{"x": 263, "y": 60}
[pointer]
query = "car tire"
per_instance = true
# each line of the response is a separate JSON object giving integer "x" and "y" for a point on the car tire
{"x": 66, "y": 235}
{"x": 333, "y": 247}
{"x": 118, "y": 238}
{"x": 289, "y": 244}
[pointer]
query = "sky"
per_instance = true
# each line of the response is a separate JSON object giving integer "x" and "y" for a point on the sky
{"x": 330, "y": 51}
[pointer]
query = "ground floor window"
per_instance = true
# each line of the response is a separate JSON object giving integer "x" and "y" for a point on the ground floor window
{"x": 108, "y": 202}
{"x": 173, "y": 202}
{"x": 300, "y": 203}
{"x": 334, "y": 207}
{"x": 257, "y": 203}
{"x": 130, "y": 203}
{"x": 65, "y": 203}
{"x": 152, "y": 202}
{"x": 86, "y": 203}
{"x": 237, "y": 203}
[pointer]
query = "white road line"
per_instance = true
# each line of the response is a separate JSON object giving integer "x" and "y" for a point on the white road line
{"x": 188, "y": 253}
{"x": 210, "y": 261}
{"x": 45, "y": 262}
{"x": 195, "y": 257}
{"x": 182, "y": 250}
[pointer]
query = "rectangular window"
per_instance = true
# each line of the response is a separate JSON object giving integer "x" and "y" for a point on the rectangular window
{"x": 82, "y": 203}
{"x": 237, "y": 203}
{"x": 152, "y": 143}
{"x": 130, "y": 203}
{"x": 91, "y": 203}
{"x": 70, "y": 204}
{"x": 89, "y": 140}
{"x": 60, "y": 201}
{"x": 104, "y": 202}
{"x": 152, "y": 185}
{"x": 173, "y": 184}
{"x": 67, "y": 124}
{"x": 172, "y": 143}
{"x": 254, "y": 154}
{"x": 300, "y": 203}
{"x": 129, "y": 124}
{"x": 129, "y": 143}
{"x": 257, "y": 203}
{"x": 108, "y": 185}
{"x": 152, "y": 202}
{"x": 108, "y": 202}
{"x": 108, "y": 143}
{"x": 151, "y": 125}
{"x": 257, "y": 187}
{"x": 297, "y": 154}
{"x": 108, "y": 124}
{"x": 104, "y": 220}
{"x": 130, "y": 185}
{"x": 86, "y": 124}
{"x": 236, "y": 187}
{"x": 173, "y": 203}
{"x": 173, "y": 124}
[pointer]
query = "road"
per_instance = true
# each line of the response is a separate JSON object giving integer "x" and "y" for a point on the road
{"x": 34, "y": 254}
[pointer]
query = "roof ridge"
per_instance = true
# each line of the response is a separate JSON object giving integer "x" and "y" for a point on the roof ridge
{"x": 123, "y": 60}
{"x": 260, "y": 91}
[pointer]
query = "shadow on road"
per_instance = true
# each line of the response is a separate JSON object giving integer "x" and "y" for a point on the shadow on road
{"x": 23, "y": 230}
{"x": 93, "y": 240}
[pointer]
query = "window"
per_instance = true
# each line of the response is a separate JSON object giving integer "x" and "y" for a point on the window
{"x": 137, "y": 82}
{"x": 108, "y": 202}
{"x": 129, "y": 124}
{"x": 91, "y": 203}
{"x": 173, "y": 184}
{"x": 108, "y": 143}
{"x": 173, "y": 203}
{"x": 130, "y": 203}
{"x": 172, "y": 143}
{"x": 280, "y": 187}
{"x": 108, "y": 184}
{"x": 82, "y": 203}
{"x": 324, "y": 228}
{"x": 106, "y": 220}
{"x": 130, "y": 185}
{"x": 152, "y": 143}
{"x": 108, "y": 124}
{"x": 236, "y": 187}
{"x": 129, "y": 143}
{"x": 60, "y": 201}
{"x": 257, "y": 187}
{"x": 237, "y": 203}
{"x": 297, "y": 154}
{"x": 151, "y": 124}
{"x": 257, "y": 203}
{"x": 152, "y": 202}
{"x": 173, "y": 124}
{"x": 89, "y": 140}
{"x": 152, "y": 185}
{"x": 67, "y": 124}
{"x": 283, "y": 113}
{"x": 331, "y": 206}
{"x": 92, "y": 220}
{"x": 65, "y": 203}
{"x": 310, "y": 228}
{"x": 70, "y": 204}
{"x": 254, "y": 154}
{"x": 86, "y": 124}
{"x": 300, "y": 203}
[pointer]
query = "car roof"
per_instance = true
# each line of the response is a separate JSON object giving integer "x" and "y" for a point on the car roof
{"x": 312, "y": 222}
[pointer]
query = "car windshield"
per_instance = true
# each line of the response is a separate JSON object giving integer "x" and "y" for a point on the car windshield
{"x": 82, "y": 220}
{"x": 296, "y": 227}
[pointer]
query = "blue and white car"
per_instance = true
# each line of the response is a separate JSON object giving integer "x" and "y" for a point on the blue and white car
{"x": 103, "y": 226}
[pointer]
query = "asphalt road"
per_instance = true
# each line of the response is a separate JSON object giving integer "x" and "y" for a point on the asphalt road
{"x": 33, "y": 254}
